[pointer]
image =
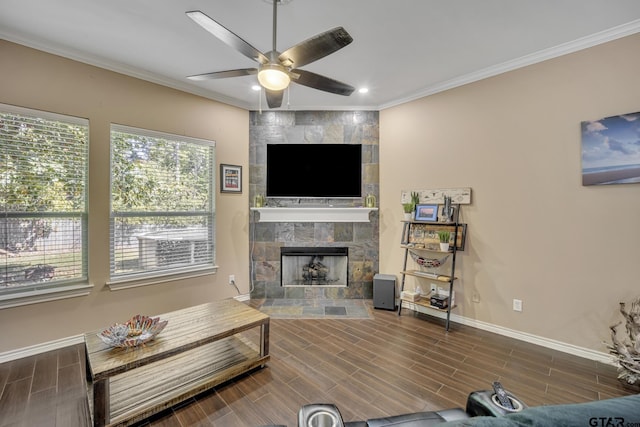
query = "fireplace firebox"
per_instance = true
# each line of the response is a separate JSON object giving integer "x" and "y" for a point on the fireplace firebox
{"x": 314, "y": 266}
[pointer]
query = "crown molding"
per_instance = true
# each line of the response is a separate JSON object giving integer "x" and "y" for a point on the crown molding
{"x": 611, "y": 34}
{"x": 582, "y": 43}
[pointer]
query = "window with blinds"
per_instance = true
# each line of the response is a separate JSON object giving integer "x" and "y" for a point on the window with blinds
{"x": 162, "y": 204}
{"x": 43, "y": 200}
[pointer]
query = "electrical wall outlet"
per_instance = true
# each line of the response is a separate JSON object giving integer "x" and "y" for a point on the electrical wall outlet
{"x": 475, "y": 297}
{"x": 434, "y": 288}
{"x": 232, "y": 279}
{"x": 517, "y": 305}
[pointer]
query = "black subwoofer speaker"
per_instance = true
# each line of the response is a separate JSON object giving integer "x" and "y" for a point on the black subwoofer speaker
{"x": 384, "y": 291}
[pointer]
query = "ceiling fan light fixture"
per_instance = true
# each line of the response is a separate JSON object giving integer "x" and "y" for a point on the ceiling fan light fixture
{"x": 276, "y": 70}
{"x": 273, "y": 77}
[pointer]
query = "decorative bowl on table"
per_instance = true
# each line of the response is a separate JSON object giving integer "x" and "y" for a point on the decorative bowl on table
{"x": 136, "y": 331}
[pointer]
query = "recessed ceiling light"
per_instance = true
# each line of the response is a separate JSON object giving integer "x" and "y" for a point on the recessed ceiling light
{"x": 363, "y": 90}
{"x": 256, "y": 87}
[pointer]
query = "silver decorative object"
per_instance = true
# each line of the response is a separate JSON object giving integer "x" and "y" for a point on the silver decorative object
{"x": 447, "y": 210}
{"x": 626, "y": 349}
{"x": 138, "y": 330}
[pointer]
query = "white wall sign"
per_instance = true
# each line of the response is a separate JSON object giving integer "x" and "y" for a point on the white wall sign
{"x": 458, "y": 195}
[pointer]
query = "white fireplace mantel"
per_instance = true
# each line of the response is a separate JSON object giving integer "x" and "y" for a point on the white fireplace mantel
{"x": 317, "y": 214}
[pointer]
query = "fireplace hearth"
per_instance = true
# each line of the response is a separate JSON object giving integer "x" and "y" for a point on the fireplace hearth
{"x": 314, "y": 266}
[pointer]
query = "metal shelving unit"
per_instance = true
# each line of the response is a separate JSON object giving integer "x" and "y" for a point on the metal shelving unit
{"x": 420, "y": 247}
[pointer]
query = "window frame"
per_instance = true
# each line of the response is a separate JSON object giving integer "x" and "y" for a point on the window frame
{"x": 145, "y": 278}
{"x": 73, "y": 287}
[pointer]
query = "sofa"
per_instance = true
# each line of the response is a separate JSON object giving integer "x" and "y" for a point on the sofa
{"x": 619, "y": 411}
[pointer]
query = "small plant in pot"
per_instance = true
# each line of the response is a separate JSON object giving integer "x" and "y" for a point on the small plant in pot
{"x": 408, "y": 210}
{"x": 444, "y": 237}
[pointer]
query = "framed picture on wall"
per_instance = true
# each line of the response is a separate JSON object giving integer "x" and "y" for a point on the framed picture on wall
{"x": 230, "y": 179}
{"x": 610, "y": 150}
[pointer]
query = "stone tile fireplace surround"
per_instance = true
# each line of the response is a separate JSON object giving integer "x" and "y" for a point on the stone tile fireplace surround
{"x": 266, "y": 238}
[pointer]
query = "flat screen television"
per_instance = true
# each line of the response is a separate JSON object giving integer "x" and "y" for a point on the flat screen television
{"x": 314, "y": 170}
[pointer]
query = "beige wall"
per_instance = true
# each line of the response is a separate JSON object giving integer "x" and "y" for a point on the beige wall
{"x": 569, "y": 252}
{"x": 38, "y": 80}
{"x": 535, "y": 233}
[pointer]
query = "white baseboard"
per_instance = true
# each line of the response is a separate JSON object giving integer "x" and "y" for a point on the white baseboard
{"x": 522, "y": 336}
{"x": 33, "y": 350}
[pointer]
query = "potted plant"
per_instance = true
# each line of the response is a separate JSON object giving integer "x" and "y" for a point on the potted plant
{"x": 415, "y": 199}
{"x": 444, "y": 237}
{"x": 408, "y": 210}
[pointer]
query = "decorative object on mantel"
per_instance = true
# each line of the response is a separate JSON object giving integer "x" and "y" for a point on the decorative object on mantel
{"x": 258, "y": 201}
{"x": 428, "y": 262}
{"x": 627, "y": 351}
{"x": 370, "y": 201}
{"x": 461, "y": 196}
{"x": 136, "y": 331}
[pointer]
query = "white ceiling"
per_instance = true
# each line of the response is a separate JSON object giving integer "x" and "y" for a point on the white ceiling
{"x": 402, "y": 49}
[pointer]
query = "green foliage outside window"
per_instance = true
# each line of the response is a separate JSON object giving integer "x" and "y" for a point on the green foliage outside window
{"x": 162, "y": 191}
{"x": 151, "y": 174}
{"x": 43, "y": 185}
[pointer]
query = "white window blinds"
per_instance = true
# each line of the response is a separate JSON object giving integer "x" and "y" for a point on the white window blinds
{"x": 43, "y": 199}
{"x": 162, "y": 203}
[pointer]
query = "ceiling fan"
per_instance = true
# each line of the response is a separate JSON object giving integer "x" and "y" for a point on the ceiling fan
{"x": 276, "y": 70}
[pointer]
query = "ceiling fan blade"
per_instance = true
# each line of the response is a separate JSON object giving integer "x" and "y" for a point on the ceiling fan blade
{"x": 274, "y": 98}
{"x": 315, "y": 48}
{"x": 227, "y": 36}
{"x": 224, "y": 74}
{"x": 316, "y": 81}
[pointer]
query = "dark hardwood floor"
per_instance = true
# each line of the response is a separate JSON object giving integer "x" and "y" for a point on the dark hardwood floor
{"x": 368, "y": 368}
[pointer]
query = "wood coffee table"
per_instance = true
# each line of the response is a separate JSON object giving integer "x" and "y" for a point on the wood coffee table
{"x": 200, "y": 347}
